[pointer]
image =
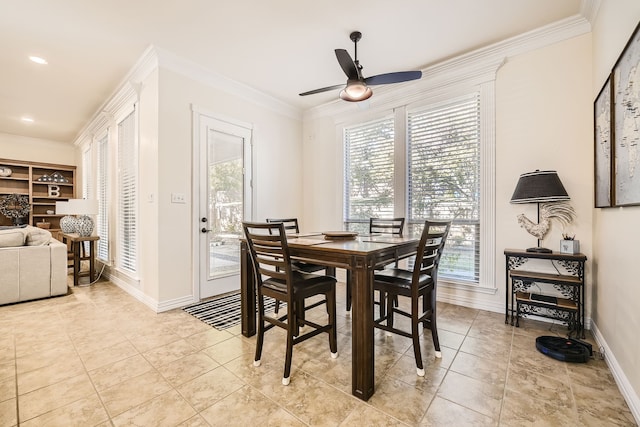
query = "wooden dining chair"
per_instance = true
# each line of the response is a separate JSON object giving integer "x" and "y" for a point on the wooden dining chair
{"x": 276, "y": 278}
{"x": 386, "y": 225}
{"x": 418, "y": 283}
{"x": 291, "y": 227}
{"x": 391, "y": 226}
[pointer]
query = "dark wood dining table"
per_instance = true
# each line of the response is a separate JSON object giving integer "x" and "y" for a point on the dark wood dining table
{"x": 360, "y": 256}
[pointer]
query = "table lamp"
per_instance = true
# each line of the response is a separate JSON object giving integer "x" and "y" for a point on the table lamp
{"x": 83, "y": 224}
{"x": 542, "y": 187}
{"x": 68, "y": 221}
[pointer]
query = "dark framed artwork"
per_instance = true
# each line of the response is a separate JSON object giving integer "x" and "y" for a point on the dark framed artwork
{"x": 603, "y": 147}
{"x": 626, "y": 119}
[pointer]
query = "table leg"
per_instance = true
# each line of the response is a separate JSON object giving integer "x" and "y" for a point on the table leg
{"x": 506, "y": 292}
{"x": 247, "y": 292}
{"x": 362, "y": 369}
{"x": 92, "y": 263}
{"x": 76, "y": 262}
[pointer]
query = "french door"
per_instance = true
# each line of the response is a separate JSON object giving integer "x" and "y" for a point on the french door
{"x": 224, "y": 202}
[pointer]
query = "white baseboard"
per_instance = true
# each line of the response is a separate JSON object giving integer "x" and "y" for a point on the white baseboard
{"x": 175, "y": 303}
{"x": 629, "y": 394}
{"x": 469, "y": 301}
{"x": 133, "y": 291}
{"x": 153, "y": 304}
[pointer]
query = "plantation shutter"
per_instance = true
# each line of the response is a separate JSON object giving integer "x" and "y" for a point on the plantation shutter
{"x": 127, "y": 194}
{"x": 102, "y": 223}
{"x": 368, "y": 173}
{"x": 444, "y": 179}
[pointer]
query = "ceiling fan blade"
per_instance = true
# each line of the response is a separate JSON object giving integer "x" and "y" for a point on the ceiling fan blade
{"x": 324, "y": 89}
{"x": 400, "y": 76}
{"x": 347, "y": 64}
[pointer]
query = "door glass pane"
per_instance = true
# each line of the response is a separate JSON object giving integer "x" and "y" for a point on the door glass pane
{"x": 225, "y": 189}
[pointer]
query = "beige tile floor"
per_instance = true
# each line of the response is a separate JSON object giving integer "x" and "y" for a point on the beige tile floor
{"x": 98, "y": 357}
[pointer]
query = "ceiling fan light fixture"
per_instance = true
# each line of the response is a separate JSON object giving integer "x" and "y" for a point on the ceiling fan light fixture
{"x": 355, "y": 91}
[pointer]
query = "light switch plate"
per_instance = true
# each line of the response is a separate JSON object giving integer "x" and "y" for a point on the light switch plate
{"x": 178, "y": 198}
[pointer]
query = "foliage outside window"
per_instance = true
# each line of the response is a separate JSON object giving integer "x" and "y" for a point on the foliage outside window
{"x": 226, "y": 188}
{"x": 369, "y": 190}
{"x": 444, "y": 179}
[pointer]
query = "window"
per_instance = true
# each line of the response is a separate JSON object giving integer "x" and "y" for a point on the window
{"x": 444, "y": 179}
{"x": 102, "y": 223}
{"x": 127, "y": 195}
{"x": 431, "y": 160}
{"x": 369, "y": 190}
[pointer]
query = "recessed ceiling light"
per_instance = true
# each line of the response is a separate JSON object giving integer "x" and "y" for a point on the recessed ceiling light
{"x": 27, "y": 119}
{"x": 38, "y": 60}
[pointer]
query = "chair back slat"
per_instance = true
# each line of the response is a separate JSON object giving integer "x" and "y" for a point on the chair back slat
{"x": 430, "y": 248}
{"x": 290, "y": 224}
{"x": 386, "y": 225}
{"x": 269, "y": 252}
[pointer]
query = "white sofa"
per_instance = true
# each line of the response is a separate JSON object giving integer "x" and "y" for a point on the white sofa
{"x": 32, "y": 265}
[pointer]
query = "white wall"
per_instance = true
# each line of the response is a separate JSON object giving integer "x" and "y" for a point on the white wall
{"x": 277, "y": 188}
{"x": 544, "y": 122}
{"x": 16, "y": 147}
{"x": 616, "y": 295}
{"x": 543, "y": 116}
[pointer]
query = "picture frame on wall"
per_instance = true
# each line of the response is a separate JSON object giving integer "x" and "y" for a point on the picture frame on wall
{"x": 603, "y": 147}
{"x": 626, "y": 128}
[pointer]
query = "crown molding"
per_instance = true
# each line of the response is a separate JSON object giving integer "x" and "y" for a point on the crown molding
{"x": 127, "y": 93}
{"x": 154, "y": 57}
{"x": 473, "y": 67}
{"x": 589, "y": 9}
{"x": 215, "y": 80}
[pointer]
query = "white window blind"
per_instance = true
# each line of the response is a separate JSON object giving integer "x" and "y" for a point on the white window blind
{"x": 127, "y": 194}
{"x": 369, "y": 189}
{"x": 86, "y": 174}
{"x": 444, "y": 179}
{"x": 102, "y": 223}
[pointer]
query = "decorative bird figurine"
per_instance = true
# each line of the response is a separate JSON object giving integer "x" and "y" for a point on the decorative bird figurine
{"x": 562, "y": 211}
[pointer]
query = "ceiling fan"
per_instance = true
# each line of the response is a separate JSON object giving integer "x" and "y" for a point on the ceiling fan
{"x": 357, "y": 88}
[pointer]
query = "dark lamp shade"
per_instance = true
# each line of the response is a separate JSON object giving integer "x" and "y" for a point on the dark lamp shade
{"x": 539, "y": 187}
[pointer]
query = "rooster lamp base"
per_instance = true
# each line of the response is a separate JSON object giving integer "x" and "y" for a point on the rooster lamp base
{"x": 540, "y": 250}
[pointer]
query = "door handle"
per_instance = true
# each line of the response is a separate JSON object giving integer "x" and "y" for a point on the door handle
{"x": 205, "y": 230}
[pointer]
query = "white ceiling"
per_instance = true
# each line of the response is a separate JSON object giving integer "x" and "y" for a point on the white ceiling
{"x": 280, "y": 47}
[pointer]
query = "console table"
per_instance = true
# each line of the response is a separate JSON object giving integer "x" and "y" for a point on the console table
{"x": 79, "y": 254}
{"x": 566, "y": 278}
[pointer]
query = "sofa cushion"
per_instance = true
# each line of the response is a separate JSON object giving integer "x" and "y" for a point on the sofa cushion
{"x": 37, "y": 236}
{"x": 10, "y": 237}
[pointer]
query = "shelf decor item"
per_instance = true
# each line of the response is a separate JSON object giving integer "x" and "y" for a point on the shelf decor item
{"x": 5, "y": 171}
{"x": 58, "y": 177}
{"x": 43, "y": 224}
{"x": 568, "y": 245}
{"x": 545, "y": 189}
{"x": 15, "y": 207}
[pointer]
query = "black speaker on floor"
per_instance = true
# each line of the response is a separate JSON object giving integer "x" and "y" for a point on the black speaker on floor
{"x": 564, "y": 349}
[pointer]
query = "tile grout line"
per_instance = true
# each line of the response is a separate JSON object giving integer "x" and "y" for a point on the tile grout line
{"x": 15, "y": 368}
